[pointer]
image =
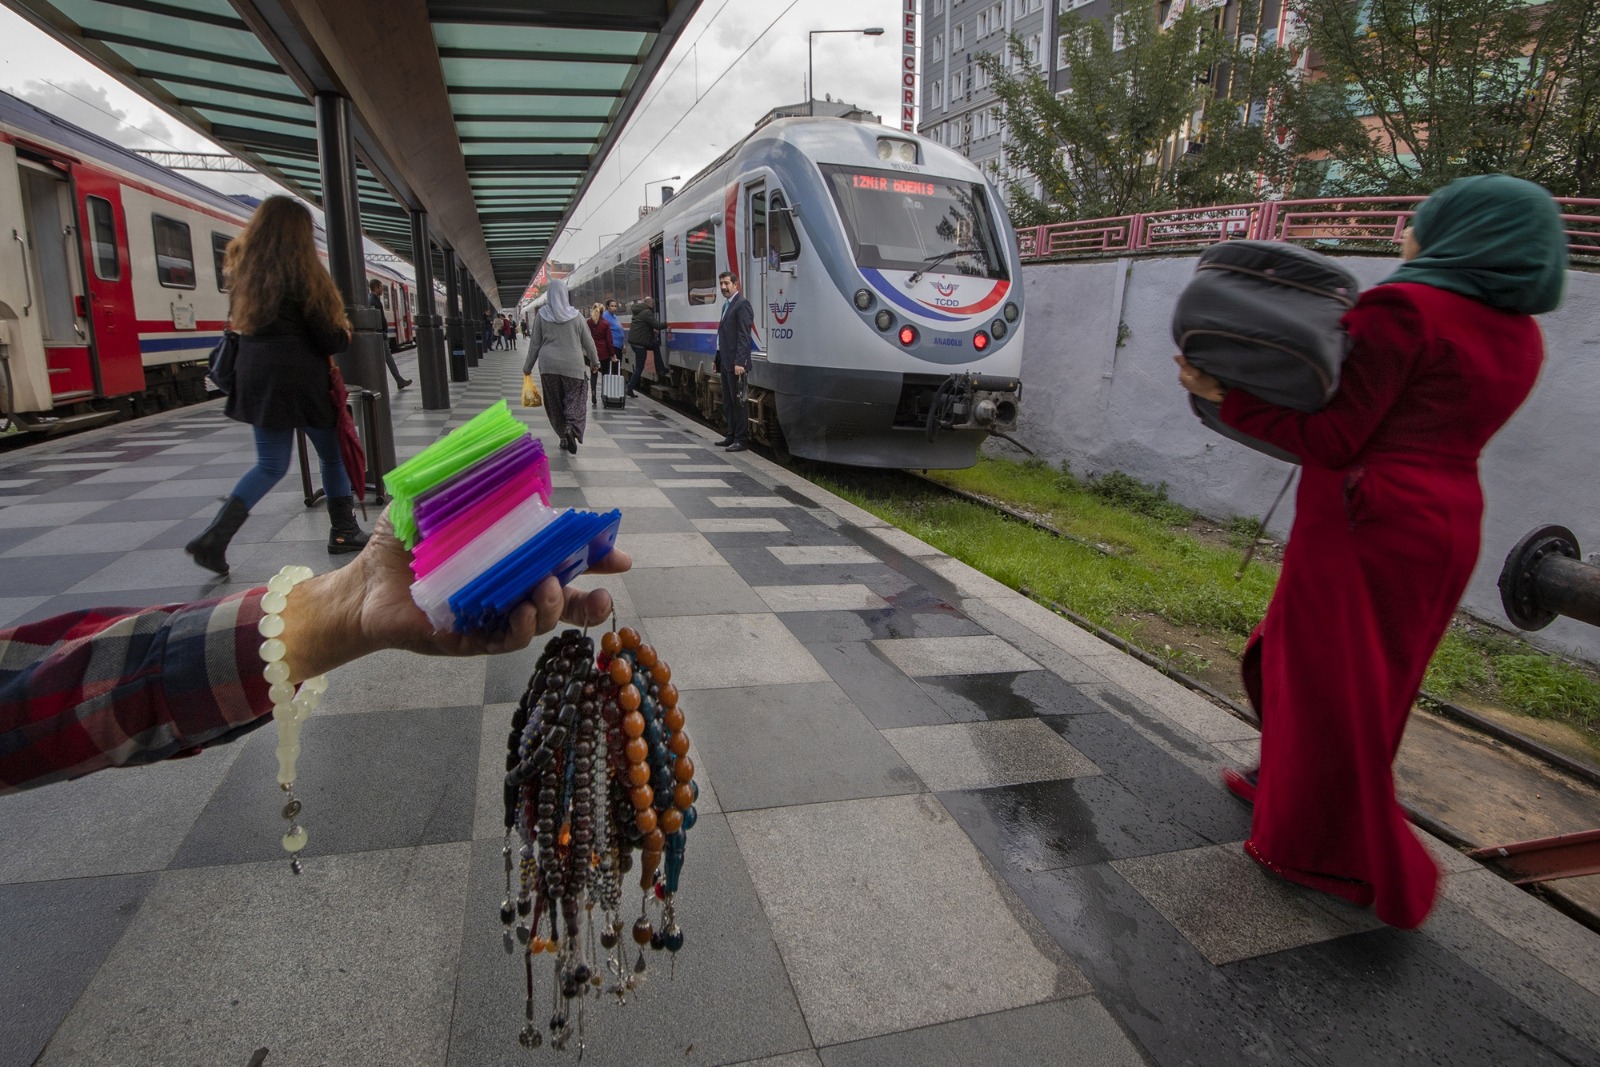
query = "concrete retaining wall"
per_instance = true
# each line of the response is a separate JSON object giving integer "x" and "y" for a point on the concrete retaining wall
{"x": 1106, "y": 405}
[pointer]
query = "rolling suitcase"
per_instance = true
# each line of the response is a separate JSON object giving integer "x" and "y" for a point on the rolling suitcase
{"x": 614, "y": 385}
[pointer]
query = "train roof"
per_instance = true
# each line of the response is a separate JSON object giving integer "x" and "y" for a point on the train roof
{"x": 37, "y": 122}
{"x": 817, "y": 136}
{"x": 34, "y": 120}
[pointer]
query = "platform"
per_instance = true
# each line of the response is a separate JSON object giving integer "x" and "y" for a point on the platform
{"x": 940, "y": 825}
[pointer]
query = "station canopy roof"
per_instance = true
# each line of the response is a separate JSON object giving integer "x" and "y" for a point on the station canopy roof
{"x": 491, "y": 115}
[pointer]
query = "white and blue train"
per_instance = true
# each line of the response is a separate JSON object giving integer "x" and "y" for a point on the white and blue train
{"x": 884, "y": 275}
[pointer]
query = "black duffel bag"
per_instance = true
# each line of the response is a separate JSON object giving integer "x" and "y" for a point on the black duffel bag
{"x": 1264, "y": 317}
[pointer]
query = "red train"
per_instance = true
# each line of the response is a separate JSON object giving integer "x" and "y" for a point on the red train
{"x": 111, "y": 286}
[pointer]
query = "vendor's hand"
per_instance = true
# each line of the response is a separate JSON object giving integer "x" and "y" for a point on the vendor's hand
{"x": 1199, "y": 382}
{"x": 366, "y": 606}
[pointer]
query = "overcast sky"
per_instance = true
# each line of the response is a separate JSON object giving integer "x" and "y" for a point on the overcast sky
{"x": 706, "y": 94}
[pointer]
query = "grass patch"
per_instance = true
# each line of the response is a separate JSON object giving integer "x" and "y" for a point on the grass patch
{"x": 1164, "y": 569}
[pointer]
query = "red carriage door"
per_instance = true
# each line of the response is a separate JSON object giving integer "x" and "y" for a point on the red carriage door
{"x": 119, "y": 368}
{"x": 53, "y": 263}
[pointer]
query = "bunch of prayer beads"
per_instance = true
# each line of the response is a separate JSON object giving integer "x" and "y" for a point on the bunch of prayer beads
{"x": 597, "y": 767}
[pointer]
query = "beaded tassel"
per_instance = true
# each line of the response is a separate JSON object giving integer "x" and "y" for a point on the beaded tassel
{"x": 597, "y": 766}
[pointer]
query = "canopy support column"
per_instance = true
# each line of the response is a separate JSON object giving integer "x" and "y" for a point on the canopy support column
{"x": 362, "y": 363}
{"x": 431, "y": 366}
{"x": 452, "y": 318}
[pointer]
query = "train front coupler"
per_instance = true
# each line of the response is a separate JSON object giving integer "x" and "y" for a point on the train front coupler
{"x": 967, "y": 401}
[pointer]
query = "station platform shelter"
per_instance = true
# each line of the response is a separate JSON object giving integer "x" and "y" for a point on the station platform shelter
{"x": 939, "y": 824}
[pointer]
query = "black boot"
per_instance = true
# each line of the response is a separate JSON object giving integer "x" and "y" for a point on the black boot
{"x": 210, "y": 549}
{"x": 345, "y": 535}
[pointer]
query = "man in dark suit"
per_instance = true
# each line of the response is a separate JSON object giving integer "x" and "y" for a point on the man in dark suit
{"x": 733, "y": 360}
{"x": 375, "y": 298}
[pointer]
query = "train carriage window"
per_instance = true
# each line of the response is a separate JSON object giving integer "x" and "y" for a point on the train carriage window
{"x": 103, "y": 238}
{"x": 758, "y": 224}
{"x": 219, "y": 255}
{"x": 701, "y": 272}
{"x": 785, "y": 238}
{"x": 174, "y": 253}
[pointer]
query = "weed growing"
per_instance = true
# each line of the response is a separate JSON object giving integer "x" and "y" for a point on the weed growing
{"x": 1160, "y": 568}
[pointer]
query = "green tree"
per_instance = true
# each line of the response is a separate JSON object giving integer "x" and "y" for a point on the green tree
{"x": 1570, "y": 163}
{"x": 1117, "y": 141}
{"x": 1416, "y": 93}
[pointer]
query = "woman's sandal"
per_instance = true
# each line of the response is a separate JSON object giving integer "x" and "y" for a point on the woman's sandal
{"x": 1242, "y": 784}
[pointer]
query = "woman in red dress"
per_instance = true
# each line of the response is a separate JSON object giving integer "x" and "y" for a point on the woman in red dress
{"x": 1386, "y": 533}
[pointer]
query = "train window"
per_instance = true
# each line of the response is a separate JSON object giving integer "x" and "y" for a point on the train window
{"x": 758, "y": 224}
{"x": 701, "y": 271}
{"x": 103, "y": 237}
{"x": 785, "y": 239}
{"x": 219, "y": 255}
{"x": 174, "y": 253}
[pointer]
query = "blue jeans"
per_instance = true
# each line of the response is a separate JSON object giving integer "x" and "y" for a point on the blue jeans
{"x": 639, "y": 354}
{"x": 273, "y": 448}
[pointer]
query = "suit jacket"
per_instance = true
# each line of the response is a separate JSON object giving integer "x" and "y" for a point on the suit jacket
{"x": 733, "y": 333}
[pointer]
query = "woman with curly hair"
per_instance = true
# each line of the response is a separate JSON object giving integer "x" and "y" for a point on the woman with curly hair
{"x": 291, "y": 322}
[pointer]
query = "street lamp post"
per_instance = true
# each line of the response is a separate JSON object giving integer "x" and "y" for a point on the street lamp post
{"x": 811, "y": 88}
{"x": 658, "y": 181}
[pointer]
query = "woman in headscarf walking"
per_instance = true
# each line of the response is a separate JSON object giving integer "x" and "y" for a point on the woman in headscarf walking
{"x": 291, "y": 322}
{"x": 559, "y": 336}
{"x": 1386, "y": 533}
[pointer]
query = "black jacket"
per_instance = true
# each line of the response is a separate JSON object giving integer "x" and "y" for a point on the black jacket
{"x": 733, "y": 333}
{"x": 642, "y": 330}
{"x": 281, "y": 377}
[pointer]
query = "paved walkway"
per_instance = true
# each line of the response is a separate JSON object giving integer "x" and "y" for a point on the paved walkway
{"x": 940, "y": 825}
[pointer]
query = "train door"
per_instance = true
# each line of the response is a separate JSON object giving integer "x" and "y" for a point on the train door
{"x": 754, "y": 271}
{"x": 52, "y": 263}
{"x": 103, "y": 226}
{"x": 656, "y": 286}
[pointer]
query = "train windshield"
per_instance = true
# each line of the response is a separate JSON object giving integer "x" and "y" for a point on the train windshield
{"x": 917, "y": 222}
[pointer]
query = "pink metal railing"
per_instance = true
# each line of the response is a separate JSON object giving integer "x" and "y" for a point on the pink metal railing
{"x": 1354, "y": 224}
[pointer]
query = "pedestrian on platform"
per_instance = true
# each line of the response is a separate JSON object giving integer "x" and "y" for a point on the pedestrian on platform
{"x": 115, "y": 687}
{"x": 1386, "y": 533}
{"x": 291, "y": 322}
{"x": 375, "y": 298}
{"x": 559, "y": 336}
{"x": 600, "y": 330}
{"x": 643, "y": 330}
{"x": 508, "y": 334}
{"x": 733, "y": 360}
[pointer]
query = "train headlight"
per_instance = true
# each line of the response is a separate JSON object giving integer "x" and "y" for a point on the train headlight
{"x": 980, "y": 341}
{"x": 884, "y": 320}
{"x": 896, "y": 149}
{"x": 908, "y": 335}
{"x": 998, "y": 328}
{"x": 1012, "y": 312}
{"x": 864, "y": 299}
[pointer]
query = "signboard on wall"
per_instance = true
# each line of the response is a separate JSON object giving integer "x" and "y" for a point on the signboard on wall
{"x": 908, "y": 65}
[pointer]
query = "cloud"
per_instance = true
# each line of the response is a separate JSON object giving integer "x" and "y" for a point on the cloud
{"x": 862, "y": 70}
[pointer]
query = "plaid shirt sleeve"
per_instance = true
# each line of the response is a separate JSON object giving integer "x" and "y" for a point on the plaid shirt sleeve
{"x": 115, "y": 687}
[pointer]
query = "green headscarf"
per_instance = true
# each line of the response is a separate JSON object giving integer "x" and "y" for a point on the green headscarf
{"x": 1492, "y": 237}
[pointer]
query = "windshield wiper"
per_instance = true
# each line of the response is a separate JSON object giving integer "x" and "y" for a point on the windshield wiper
{"x": 941, "y": 257}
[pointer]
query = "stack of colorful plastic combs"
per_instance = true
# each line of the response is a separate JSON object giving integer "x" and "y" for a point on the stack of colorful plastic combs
{"x": 474, "y": 508}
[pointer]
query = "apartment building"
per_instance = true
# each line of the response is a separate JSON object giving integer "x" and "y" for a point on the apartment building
{"x": 958, "y": 106}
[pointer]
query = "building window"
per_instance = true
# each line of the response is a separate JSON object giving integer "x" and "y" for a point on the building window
{"x": 958, "y": 38}
{"x": 1119, "y": 33}
{"x": 103, "y": 237}
{"x": 938, "y": 95}
{"x": 955, "y": 86}
{"x": 938, "y": 7}
{"x": 980, "y": 78}
{"x": 1071, "y": 5}
{"x": 174, "y": 253}
{"x": 1035, "y": 49}
{"x": 938, "y": 46}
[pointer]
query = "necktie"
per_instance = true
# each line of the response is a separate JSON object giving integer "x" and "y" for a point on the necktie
{"x": 725, "y": 306}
